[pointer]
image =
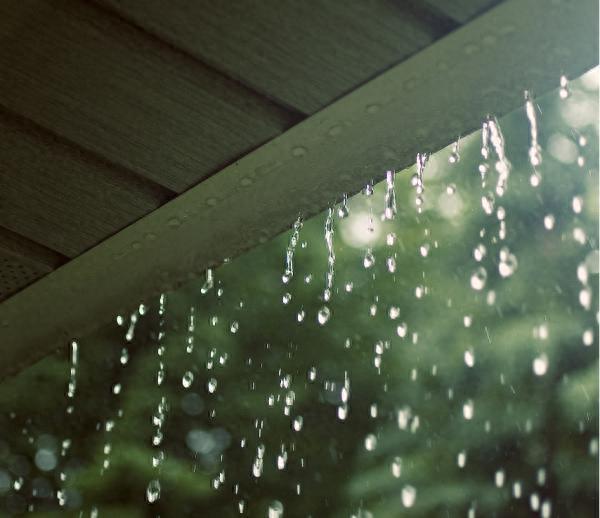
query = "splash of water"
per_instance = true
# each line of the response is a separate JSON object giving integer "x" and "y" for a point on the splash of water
{"x": 330, "y": 255}
{"x": 209, "y": 282}
{"x": 389, "y": 210}
{"x": 422, "y": 159}
{"x": 503, "y": 166}
{"x": 288, "y": 271}
{"x": 535, "y": 151}
{"x": 158, "y": 419}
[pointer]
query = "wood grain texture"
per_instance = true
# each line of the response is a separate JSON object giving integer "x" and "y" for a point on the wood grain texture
{"x": 463, "y": 10}
{"x": 110, "y": 88}
{"x": 17, "y": 272}
{"x": 22, "y": 262}
{"x": 303, "y": 53}
{"x": 63, "y": 197}
{"x": 20, "y": 246}
{"x": 421, "y": 105}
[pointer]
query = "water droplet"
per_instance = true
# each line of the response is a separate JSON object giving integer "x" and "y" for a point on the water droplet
{"x": 234, "y": 326}
{"x": 297, "y": 423}
{"x": 394, "y": 312}
{"x": 369, "y": 259}
{"x": 211, "y": 385}
{"x": 546, "y": 510}
{"x": 208, "y": 283}
{"x": 402, "y": 329}
{"x": 370, "y": 442}
{"x": 469, "y": 357}
{"x": 508, "y": 263}
{"x": 409, "y": 495}
{"x": 450, "y": 189}
{"x": 389, "y": 210}
{"x": 535, "y": 179}
{"x": 397, "y": 467}
{"x": 479, "y": 278}
{"x": 323, "y": 315}
{"x": 187, "y": 379}
{"x": 288, "y": 272}
{"x": 577, "y": 204}
{"x": 461, "y": 459}
{"x": 275, "y": 509}
{"x": 343, "y": 211}
{"x": 549, "y": 221}
{"x": 540, "y": 365}
{"x": 286, "y": 298}
{"x": 535, "y": 151}
{"x": 468, "y": 409}
{"x": 585, "y": 298}
{"x": 479, "y": 252}
{"x": 499, "y": 478}
{"x": 517, "y": 490}
{"x": 153, "y": 491}
{"x": 455, "y": 154}
{"x": 487, "y": 203}
{"x": 300, "y": 315}
{"x": 588, "y": 337}
{"x": 563, "y": 92}
{"x": 299, "y": 151}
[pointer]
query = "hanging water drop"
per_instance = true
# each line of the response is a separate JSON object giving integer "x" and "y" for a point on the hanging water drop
{"x": 370, "y": 442}
{"x": 297, "y": 423}
{"x": 343, "y": 208}
{"x": 209, "y": 282}
{"x": 187, "y": 379}
{"x": 390, "y": 196}
{"x": 330, "y": 255}
{"x": 479, "y": 278}
{"x": 275, "y": 509}
{"x": 564, "y": 92}
{"x": 323, "y": 315}
{"x": 540, "y": 365}
{"x": 397, "y": 467}
{"x": 549, "y": 221}
{"x": 535, "y": 151}
{"x": 288, "y": 271}
{"x": 153, "y": 491}
{"x": 369, "y": 258}
{"x": 409, "y": 495}
{"x": 468, "y": 409}
{"x": 455, "y": 153}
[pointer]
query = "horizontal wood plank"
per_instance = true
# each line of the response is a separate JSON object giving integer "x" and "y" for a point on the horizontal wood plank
{"x": 463, "y": 10}
{"x": 17, "y": 272}
{"x": 303, "y": 53}
{"x": 62, "y": 197}
{"x": 22, "y": 262}
{"x": 110, "y": 88}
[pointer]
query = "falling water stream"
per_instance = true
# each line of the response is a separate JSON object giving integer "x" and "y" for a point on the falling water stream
{"x": 446, "y": 366}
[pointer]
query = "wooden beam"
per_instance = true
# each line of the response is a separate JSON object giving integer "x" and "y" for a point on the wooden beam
{"x": 303, "y": 53}
{"x": 462, "y": 10}
{"x": 105, "y": 85}
{"x": 23, "y": 261}
{"x": 420, "y": 105}
{"x": 63, "y": 197}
